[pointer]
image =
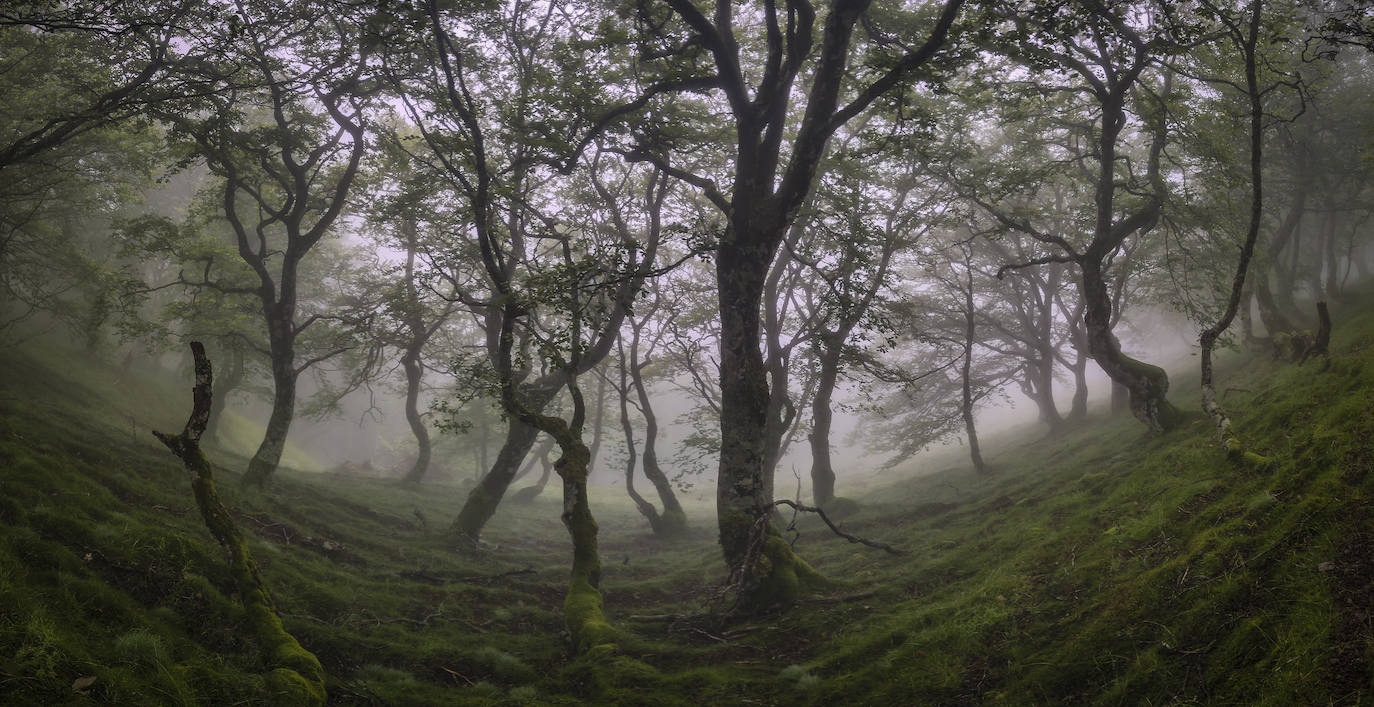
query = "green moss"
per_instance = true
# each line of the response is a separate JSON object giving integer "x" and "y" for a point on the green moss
{"x": 1127, "y": 569}
{"x": 586, "y": 622}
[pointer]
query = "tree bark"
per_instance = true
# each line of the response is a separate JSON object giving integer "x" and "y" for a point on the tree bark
{"x": 822, "y": 469}
{"x": 482, "y": 501}
{"x": 1145, "y": 384}
{"x": 296, "y": 677}
{"x": 228, "y": 383}
{"x": 410, "y": 361}
{"x": 284, "y": 375}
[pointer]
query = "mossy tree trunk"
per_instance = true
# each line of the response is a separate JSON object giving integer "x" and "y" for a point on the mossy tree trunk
{"x": 1246, "y": 40}
{"x": 294, "y": 676}
{"x": 768, "y": 186}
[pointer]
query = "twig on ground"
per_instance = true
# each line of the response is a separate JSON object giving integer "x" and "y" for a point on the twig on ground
{"x": 834, "y": 529}
{"x": 837, "y": 600}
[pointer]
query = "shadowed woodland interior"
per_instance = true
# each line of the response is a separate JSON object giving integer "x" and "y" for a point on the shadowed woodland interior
{"x": 677, "y": 352}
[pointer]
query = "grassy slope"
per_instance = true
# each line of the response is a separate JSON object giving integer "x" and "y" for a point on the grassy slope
{"x": 1105, "y": 567}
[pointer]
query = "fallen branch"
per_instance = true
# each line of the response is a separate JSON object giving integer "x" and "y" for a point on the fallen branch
{"x": 835, "y": 529}
{"x": 669, "y": 617}
{"x": 421, "y": 576}
{"x": 837, "y": 600}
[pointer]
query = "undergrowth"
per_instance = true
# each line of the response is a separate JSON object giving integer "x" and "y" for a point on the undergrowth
{"x": 1105, "y": 566}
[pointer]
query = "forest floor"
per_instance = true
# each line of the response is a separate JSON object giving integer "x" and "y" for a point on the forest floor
{"x": 1104, "y": 566}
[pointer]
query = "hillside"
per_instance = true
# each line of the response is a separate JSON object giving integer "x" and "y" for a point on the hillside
{"x": 1102, "y": 567}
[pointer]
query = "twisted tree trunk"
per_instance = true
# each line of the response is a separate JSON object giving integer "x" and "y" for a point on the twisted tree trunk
{"x": 295, "y": 676}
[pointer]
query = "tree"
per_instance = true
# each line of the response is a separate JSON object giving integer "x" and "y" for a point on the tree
{"x": 778, "y": 148}
{"x": 296, "y": 676}
{"x": 866, "y": 220}
{"x": 286, "y": 168}
{"x": 1108, "y": 50}
{"x": 636, "y": 355}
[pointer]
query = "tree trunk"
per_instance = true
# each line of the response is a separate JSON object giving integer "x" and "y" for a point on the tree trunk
{"x": 414, "y": 372}
{"x": 1121, "y": 398}
{"x": 761, "y": 562}
{"x": 645, "y": 508}
{"x": 966, "y": 379}
{"x": 1247, "y": 322}
{"x": 296, "y": 677}
{"x": 1275, "y": 322}
{"x": 822, "y": 470}
{"x": 1042, "y": 393}
{"x": 1078, "y": 409}
{"x": 229, "y": 382}
{"x": 1146, "y": 384}
{"x": 582, "y": 608}
{"x": 1332, "y": 284}
{"x": 672, "y": 521}
{"x": 486, "y": 496}
{"x": 527, "y": 495}
{"x": 265, "y": 460}
{"x": 1211, "y": 402}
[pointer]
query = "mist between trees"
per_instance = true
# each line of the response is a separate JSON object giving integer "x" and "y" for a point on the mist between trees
{"x": 675, "y": 249}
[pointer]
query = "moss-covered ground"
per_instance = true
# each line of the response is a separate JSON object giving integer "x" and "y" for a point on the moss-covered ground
{"x": 1106, "y": 566}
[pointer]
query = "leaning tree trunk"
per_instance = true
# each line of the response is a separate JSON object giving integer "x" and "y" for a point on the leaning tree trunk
{"x": 296, "y": 677}
{"x": 1211, "y": 403}
{"x": 1146, "y": 384}
{"x": 672, "y": 521}
{"x": 527, "y": 495}
{"x": 414, "y": 372}
{"x": 265, "y": 460}
{"x": 1274, "y": 320}
{"x": 486, "y": 496}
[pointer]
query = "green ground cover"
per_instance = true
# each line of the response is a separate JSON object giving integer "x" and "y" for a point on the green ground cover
{"x": 1106, "y": 566}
